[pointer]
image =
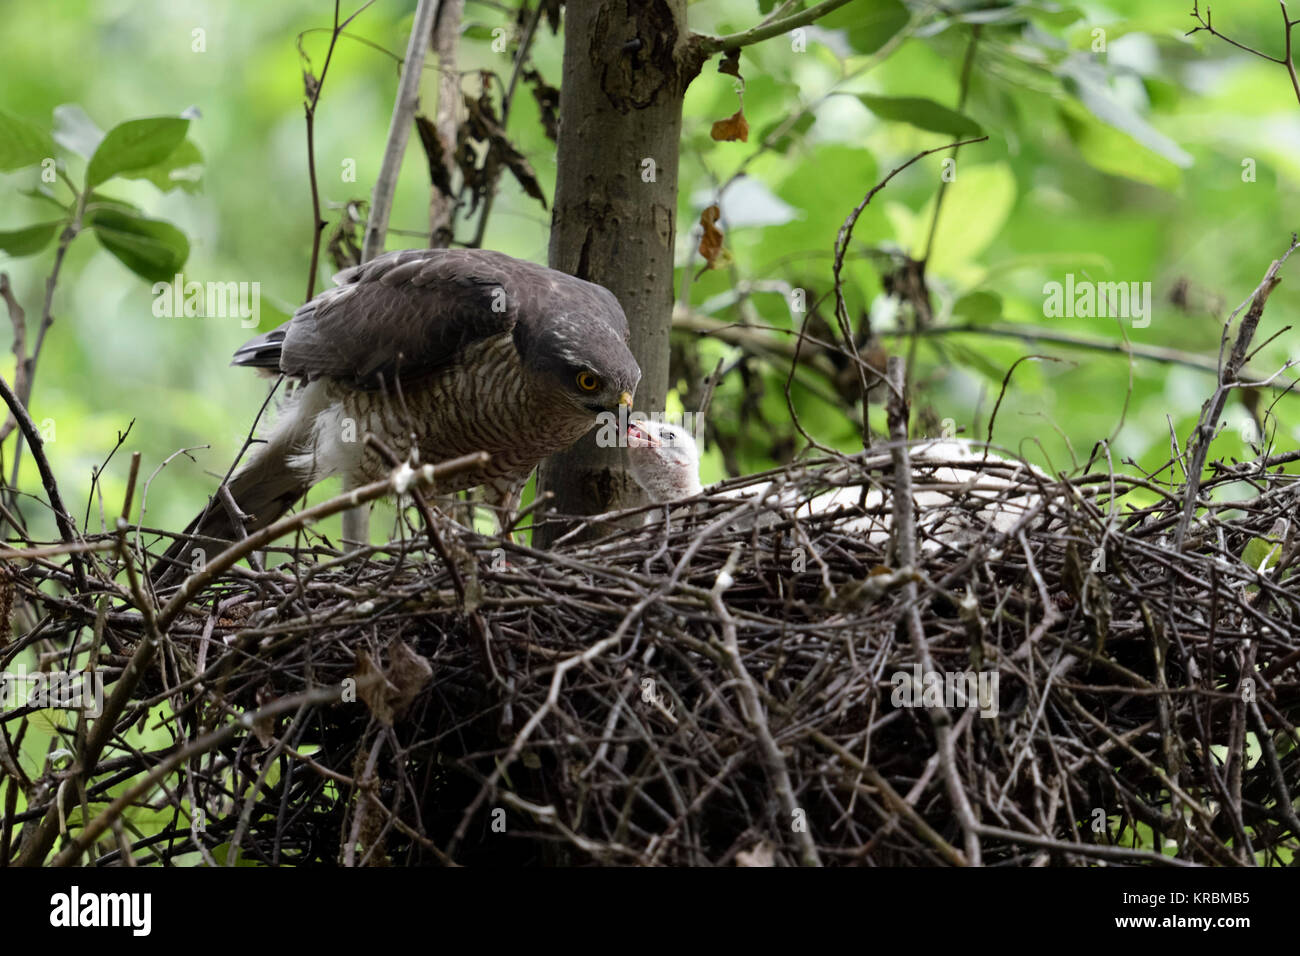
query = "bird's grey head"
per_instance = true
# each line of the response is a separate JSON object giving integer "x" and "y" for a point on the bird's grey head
{"x": 583, "y": 359}
{"x": 665, "y": 460}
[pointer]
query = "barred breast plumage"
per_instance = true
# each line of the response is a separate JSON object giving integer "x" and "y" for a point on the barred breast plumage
{"x": 490, "y": 384}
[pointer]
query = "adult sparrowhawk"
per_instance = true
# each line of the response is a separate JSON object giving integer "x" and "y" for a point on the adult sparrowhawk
{"x": 460, "y": 350}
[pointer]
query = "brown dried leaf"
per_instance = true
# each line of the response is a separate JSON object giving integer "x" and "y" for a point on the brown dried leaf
{"x": 373, "y": 690}
{"x": 482, "y": 125}
{"x": 408, "y": 673}
{"x": 390, "y": 694}
{"x": 548, "y": 103}
{"x": 732, "y": 129}
{"x": 711, "y": 241}
{"x": 439, "y": 175}
{"x": 344, "y": 246}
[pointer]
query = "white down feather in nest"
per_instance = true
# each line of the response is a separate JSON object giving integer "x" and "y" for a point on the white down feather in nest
{"x": 665, "y": 461}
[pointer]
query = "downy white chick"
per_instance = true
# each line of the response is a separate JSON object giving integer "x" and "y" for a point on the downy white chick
{"x": 665, "y": 462}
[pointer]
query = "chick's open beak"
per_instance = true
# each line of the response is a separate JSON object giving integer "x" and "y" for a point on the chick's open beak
{"x": 640, "y": 438}
{"x": 625, "y": 399}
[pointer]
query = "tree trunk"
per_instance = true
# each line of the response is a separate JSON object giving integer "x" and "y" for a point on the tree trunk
{"x": 626, "y": 68}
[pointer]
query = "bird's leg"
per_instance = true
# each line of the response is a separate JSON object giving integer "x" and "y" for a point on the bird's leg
{"x": 356, "y": 521}
{"x": 507, "y": 511}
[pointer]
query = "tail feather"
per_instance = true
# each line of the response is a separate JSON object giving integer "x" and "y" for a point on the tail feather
{"x": 264, "y": 489}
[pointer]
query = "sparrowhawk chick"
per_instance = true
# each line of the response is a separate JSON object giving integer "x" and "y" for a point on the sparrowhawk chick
{"x": 462, "y": 350}
{"x": 665, "y": 461}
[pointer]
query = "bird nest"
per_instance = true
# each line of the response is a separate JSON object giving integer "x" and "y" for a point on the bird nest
{"x": 726, "y": 682}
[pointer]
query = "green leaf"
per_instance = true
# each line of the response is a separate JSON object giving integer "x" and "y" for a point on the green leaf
{"x": 152, "y": 249}
{"x": 1088, "y": 82}
{"x": 29, "y": 241}
{"x": 1107, "y": 149}
{"x": 477, "y": 31}
{"x": 221, "y": 853}
{"x": 135, "y": 145}
{"x": 921, "y": 113}
{"x": 978, "y": 307}
{"x": 1053, "y": 16}
{"x": 182, "y": 169}
{"x": 43, "y": 193}
{"x": 22, "y": 143}
{"x": 975, "y": 210}
{"x": 1260, "y": 554}
{"x": 75, "y": 131}
{"x": 868, "y": 30}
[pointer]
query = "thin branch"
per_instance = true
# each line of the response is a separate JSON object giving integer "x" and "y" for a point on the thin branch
{"x": 159, "y": 772}
{"x": 961, "y": 105}
{"x": 309, "y": 109}
{"x": 709, "y": 45}
{"x": 507, "y": 97}
{"x": 18, "y": 318}
{"x": 1229, "y": 379}
{"x": 400, "y": 482}
{"x": 399, "y": 129}
{"x": 28, "y": 381}
{"x": 62, "y": 518}
{"x": 1287, "y": 59}
{"x": 841, "y": 247}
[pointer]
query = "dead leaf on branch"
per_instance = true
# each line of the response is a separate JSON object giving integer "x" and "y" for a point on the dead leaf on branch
{"x": 548, "y": 103}
{"x": 734, "y": 128}
{"x": 552, "y": 10}
{"x": 373, "y": 690}
{"x": 344, "y": 246}
{"x": 439, "y": 175}
{"x": 483, "y": 126}
{"x": 711, "y": 241}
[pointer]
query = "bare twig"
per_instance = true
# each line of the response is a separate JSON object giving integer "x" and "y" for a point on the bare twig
{"x": 709, "y": 45}
{"x": 61, "y": 516}
{"x": 1229, "y": 378}
{"x": 399, "y": 128}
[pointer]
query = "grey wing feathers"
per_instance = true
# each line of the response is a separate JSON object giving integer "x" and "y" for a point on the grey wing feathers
{"x": 263, "y": 351}
{"x": 402, "y": 315}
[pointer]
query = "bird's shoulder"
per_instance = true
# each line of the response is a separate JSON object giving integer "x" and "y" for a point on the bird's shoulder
{"x": 407, "y": 314}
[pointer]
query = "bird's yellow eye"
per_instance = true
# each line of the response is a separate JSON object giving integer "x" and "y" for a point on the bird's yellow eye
{"x": 587, "y": 381}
